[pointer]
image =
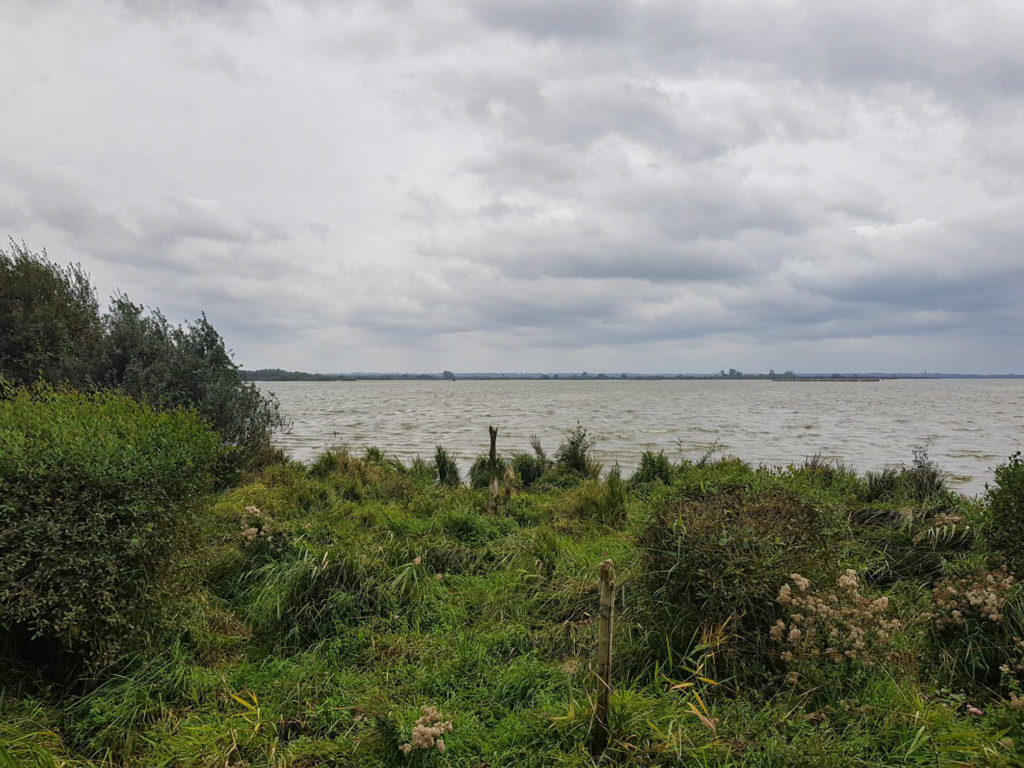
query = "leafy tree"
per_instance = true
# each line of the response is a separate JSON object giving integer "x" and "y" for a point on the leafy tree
{"x": 51, "y": 325}
{"x": 188, "y": 365}
{"x": 53, "y": 331}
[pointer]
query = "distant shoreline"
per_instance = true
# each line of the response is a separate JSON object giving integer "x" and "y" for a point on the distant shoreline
{"x": 280, "y": 375}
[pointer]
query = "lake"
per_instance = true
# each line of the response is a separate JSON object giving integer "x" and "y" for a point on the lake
{"x": 968, "y": 425}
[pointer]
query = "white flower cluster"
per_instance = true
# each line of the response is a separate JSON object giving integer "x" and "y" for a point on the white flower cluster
{"x": 258, "y": 528}
{"x": 427, "y": 732}
{"x": 980, "y": 597}
{"x": 839, "y": 624}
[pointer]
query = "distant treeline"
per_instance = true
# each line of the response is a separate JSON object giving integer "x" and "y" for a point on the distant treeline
{"x": 277, "y": 374}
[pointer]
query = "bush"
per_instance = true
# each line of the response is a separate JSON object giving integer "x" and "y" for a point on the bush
{"x": 716, "y": 564}
{"x": 446, "y": 471}
{"x": 573, "y": 455}
{"x": 480, "y": 472}
{"x": 94, "y": 491}
{"x": 921, "y": 481}
{"x": 977, "y": 622}
{"x": 51, "y": 323}
{"x": 169, "y": 366}
{"x": 654, "y": 468}
{"x": 600, "y": 502}
{"x": 1006, "y": 505}
{"x": 52, "y": 330}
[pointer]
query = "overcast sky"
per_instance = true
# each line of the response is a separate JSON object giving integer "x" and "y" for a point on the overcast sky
{"x": 535, "y": 185}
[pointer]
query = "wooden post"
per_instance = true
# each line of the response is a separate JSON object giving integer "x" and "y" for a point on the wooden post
{"x": 494, "y": 464}
{"x": 599, "y": 739}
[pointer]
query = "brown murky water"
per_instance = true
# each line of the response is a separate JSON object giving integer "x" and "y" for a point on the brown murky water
{"x": 969, "y": 426}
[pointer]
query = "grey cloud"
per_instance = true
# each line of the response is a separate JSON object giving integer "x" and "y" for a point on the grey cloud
{"x": 563, "y": 180}
{"x": 565, "y": 19}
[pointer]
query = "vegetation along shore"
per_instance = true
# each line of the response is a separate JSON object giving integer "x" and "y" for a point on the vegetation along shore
{"x": 175, "y": 592}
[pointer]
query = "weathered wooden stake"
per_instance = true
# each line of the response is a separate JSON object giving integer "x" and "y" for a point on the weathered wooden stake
{"x": 494, "y": 465}
{"x": 599, "y": 739}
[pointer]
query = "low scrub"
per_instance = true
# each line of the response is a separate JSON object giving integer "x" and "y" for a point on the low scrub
{"x": 95, "y": 491}
{"x": 715, "y": 565}
{"x": 1006, "y": 523}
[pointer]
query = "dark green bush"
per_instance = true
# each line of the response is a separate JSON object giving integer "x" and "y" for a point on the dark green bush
{"x": 1006, "y": 504}
{"x": 573, "y": 455}
{"x": 94, "y": 492}
{"x": 716, "y": 564}
{"x": 600, "y": 502}
{"x": 529, "y": 468}
{"x": 446, "y": 471}
{"x": 188, "y": 365}
{"x": 654, "y": 468}
{"x": 921, "y": 481}
{"x": 51, "y": 325}
{"x": 480, "y": 471}
{"x": 52, "y": 330}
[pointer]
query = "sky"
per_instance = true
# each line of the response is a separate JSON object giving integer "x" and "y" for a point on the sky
{"x": 534, "y": 185}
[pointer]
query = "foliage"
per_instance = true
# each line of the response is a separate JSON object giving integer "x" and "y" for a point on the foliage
{"x": 51, "y": 326}
{"x": 718, "y": 561}
{"x": 188, "y": 365}
{"x": 53, "y": 331}
{"x": 326, "y": 609}
{"x": 921, "y": 481}
{"x": 977, "y": 624}
{"x": 573, "y": 454}
{"x": 654, "y": 468}
{"x": 446, "y": 471}
{"x": 531, "y": 468}
{"x": 1005, "y": 531}
{"x": 93, "y": 493}
{"x": 480, "y": 471}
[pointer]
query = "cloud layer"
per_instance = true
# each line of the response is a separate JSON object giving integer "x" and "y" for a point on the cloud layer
{"x": 521, "y": 185}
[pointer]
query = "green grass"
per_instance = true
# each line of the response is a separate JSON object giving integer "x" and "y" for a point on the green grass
{"x": 370, "y": 591}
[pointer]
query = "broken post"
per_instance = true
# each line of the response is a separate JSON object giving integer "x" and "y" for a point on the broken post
{"x": 606, "y": 615}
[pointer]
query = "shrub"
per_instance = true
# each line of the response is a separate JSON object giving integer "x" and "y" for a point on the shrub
{"x": 717, "y": 562}
{"x": 654, "y": 468}
{"x": 94, "y": 490}
{"x": 978, "y": 625}
{"x": 446, "y": 471}
{"x": 51, "y": 323}
{"x": 480, "y": 472}
{"x": 529, "y": 468}
{"x": 188, "y": 365}
{"x": 1006, "y": 505}
{"x": 840, "y": 624}
{"x": 921, "y": 481}
{"x": 599, "y": 502}
{"x": 573, "y": 455}
{"x": 52, "y": 330}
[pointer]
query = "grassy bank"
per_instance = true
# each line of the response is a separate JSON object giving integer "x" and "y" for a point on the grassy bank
{"x": 804, "y": 616}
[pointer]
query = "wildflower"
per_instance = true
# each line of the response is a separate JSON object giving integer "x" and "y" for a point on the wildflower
{"x": 437, "y": 576}
{"x": 838, "y": 624}
{"x": 427, "y": 731}
{"x": 972, "y": 710}
{"x": 848, "y": 580}
{"x": 417, "y": 560}
{"x": 801, "y": 582}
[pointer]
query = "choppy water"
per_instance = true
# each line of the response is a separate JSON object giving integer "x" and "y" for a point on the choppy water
{"x": 969, "y": 426}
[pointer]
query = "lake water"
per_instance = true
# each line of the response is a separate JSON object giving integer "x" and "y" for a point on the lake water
{"x": 969, "y": 426}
